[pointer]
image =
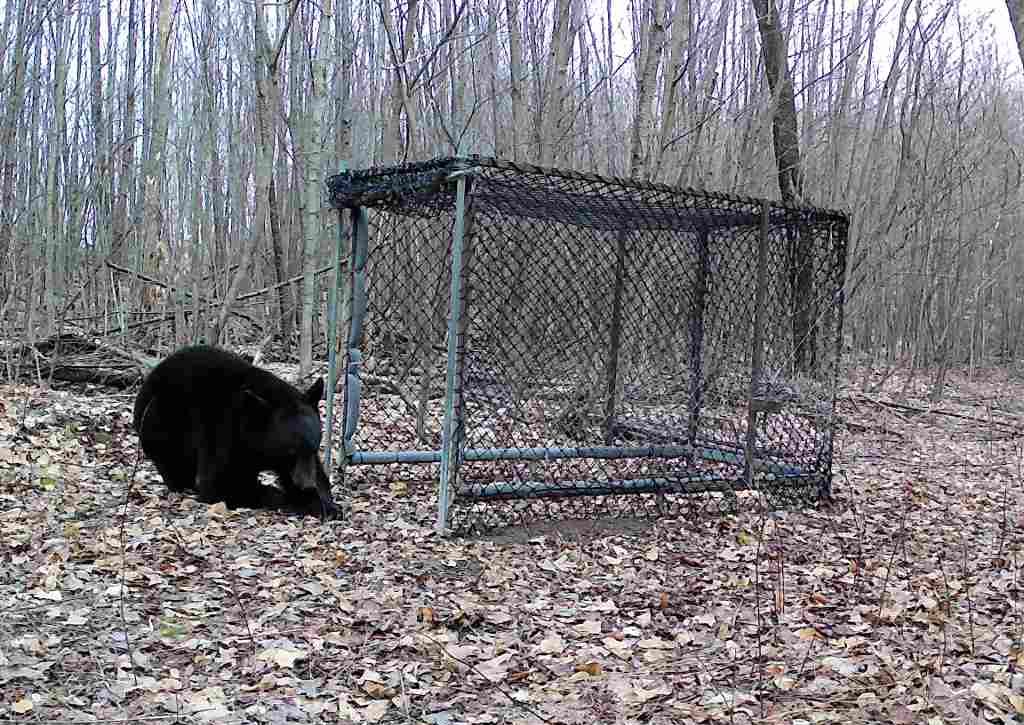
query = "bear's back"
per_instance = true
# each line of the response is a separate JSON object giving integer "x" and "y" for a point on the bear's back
{"x": 202, "y": 377}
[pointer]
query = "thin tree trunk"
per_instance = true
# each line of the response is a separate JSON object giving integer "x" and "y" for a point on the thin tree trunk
{"x": 217, "y": 241}
{"x": 101, "y": 136}
{"x": 604, "y": 51}
{"x": 701, "y": 115}
{"x": 267, "y": 59}
{"x": 647, "y": 74}
{"x": 490, "y": 27}
{"x": 392, "y": 141}
{"x": 843, "y": 106}
{"x": 590, "y": 125}
{"x": 1016, "y": 11}
{"x": 35, "y": 180}
{"x": 286, "y": 315}
{"x": 515, "y": 71}
{"x": 785, "y": 135}
{"x": 786, "y": 142}
{"x": 345, "y": 52}
{"x": 15, "y": 91}
{"x": 670, "y": 81}
{"x": 313, "y": 187}
{"x": 552, "y": 109}
{"x": 153, "y": 237}
{"x": 127, "y": 181}
{"x": 55, "y": 236}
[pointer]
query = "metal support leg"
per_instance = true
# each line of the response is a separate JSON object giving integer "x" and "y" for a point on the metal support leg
{"x": 611, "y": 372}
{"x": 757, "y": 346}
{"x": 355, "y": 308}
{"x": 450, "y": 434}
{"x": 332, "y": 342}
{"x": 696, "y": 322}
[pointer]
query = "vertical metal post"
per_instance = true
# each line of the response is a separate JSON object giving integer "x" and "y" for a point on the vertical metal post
{"x": 697, "y": 311}
{"x": 757, "y": 346}
{"x": 615, "y": 340}
{"x": 357, "y": 293}
{"x": 354, "y": 308}
{"x": 332, "y": 336}
{"x": 449, "y": 437}
{"x": 839, "y": 300}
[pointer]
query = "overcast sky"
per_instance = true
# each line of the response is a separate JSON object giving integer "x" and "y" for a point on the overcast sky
{"x": 994, "y": 12}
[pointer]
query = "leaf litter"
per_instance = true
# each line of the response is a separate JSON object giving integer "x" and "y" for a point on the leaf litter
{"x": 901, "y": 603}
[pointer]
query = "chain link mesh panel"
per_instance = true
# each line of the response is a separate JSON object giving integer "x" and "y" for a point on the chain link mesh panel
{"x": 623, "y": 348}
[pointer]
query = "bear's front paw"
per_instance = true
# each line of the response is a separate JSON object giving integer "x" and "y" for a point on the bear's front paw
{"x": 330, "y": 510}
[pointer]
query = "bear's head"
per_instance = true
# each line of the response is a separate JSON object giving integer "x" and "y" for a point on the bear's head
{"x": 286, "y": 439}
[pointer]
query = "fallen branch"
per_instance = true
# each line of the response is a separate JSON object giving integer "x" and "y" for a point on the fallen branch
{"x": 91, "y": 274}
{"x": 167, "y": 316}
{"x": 915, "y": 410}
{"x": 293, "y": 280}
{"x": 146, "y": 278}
{"x": 73, "y": 359}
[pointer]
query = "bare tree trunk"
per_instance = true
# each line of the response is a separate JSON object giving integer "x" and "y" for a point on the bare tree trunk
{"x": 515, "y": 71}
{"x": 313, "y": 191}
{"x": 286, "y": 314}
{"x": 1016, "y": 11}
{"x": 345, "y": 52}
{"x": 609, "y": 49}
{"x": 267, "y": 59}
{"x": 457, "y": 79}
{"x": 32, "y": 257}
{"x": 101, "y": 136}
{"x": 400, "y": 49}
{"x": 15, "y": 92}
{"x": 53, "y": 281}
{"x": 705, "y": 92}
{"x": 153, "y": 241}
{"x": 647, "y": 73}
{"x": 786, "y": 142}
{"x": 842, "y": 107}
{"x": 785, "y": 135}
{"x": 391, "y": 140}
{"x": 670, "y": 81}
{"x": 217, "y": 241}
{"x": 552, "y": 109}
{"x": 589, "y": 92}
{"x": 127, "y": 181}
{"x": 489, "y": 25}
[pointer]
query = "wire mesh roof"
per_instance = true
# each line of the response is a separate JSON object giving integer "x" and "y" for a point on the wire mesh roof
{"x": 570, "y": 197}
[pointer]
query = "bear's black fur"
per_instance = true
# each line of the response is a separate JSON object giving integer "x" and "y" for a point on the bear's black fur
{"x": 210, "y": 420}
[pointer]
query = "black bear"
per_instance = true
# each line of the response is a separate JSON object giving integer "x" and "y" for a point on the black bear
{"x": 210, "y": 420}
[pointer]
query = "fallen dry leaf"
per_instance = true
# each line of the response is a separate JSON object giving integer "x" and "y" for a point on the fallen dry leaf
{"x": 281, "y": 656}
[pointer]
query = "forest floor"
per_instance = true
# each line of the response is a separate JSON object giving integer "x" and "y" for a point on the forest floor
{"x": 901, "y": 603}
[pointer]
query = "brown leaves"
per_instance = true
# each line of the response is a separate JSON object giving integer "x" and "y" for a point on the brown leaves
{"x": 284, "y": 657}
{"x": 894, "y": 606}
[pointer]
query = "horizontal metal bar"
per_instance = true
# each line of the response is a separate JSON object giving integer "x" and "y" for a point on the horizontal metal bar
{"x": 523, "y": 454}
{"x": 463, "y": 172}
{"x": 470, "y": 455}
{"x": 506, "y": 490}
{"x": 373, "y": 458}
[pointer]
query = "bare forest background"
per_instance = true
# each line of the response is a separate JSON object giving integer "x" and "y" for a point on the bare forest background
{"x": 162, "y": 163}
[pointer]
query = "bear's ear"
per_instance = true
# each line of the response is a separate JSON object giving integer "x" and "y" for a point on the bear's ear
{"x": 315, "y": 393}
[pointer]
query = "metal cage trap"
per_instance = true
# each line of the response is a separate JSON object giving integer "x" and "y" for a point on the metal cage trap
{"x": 556, "y": 344}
